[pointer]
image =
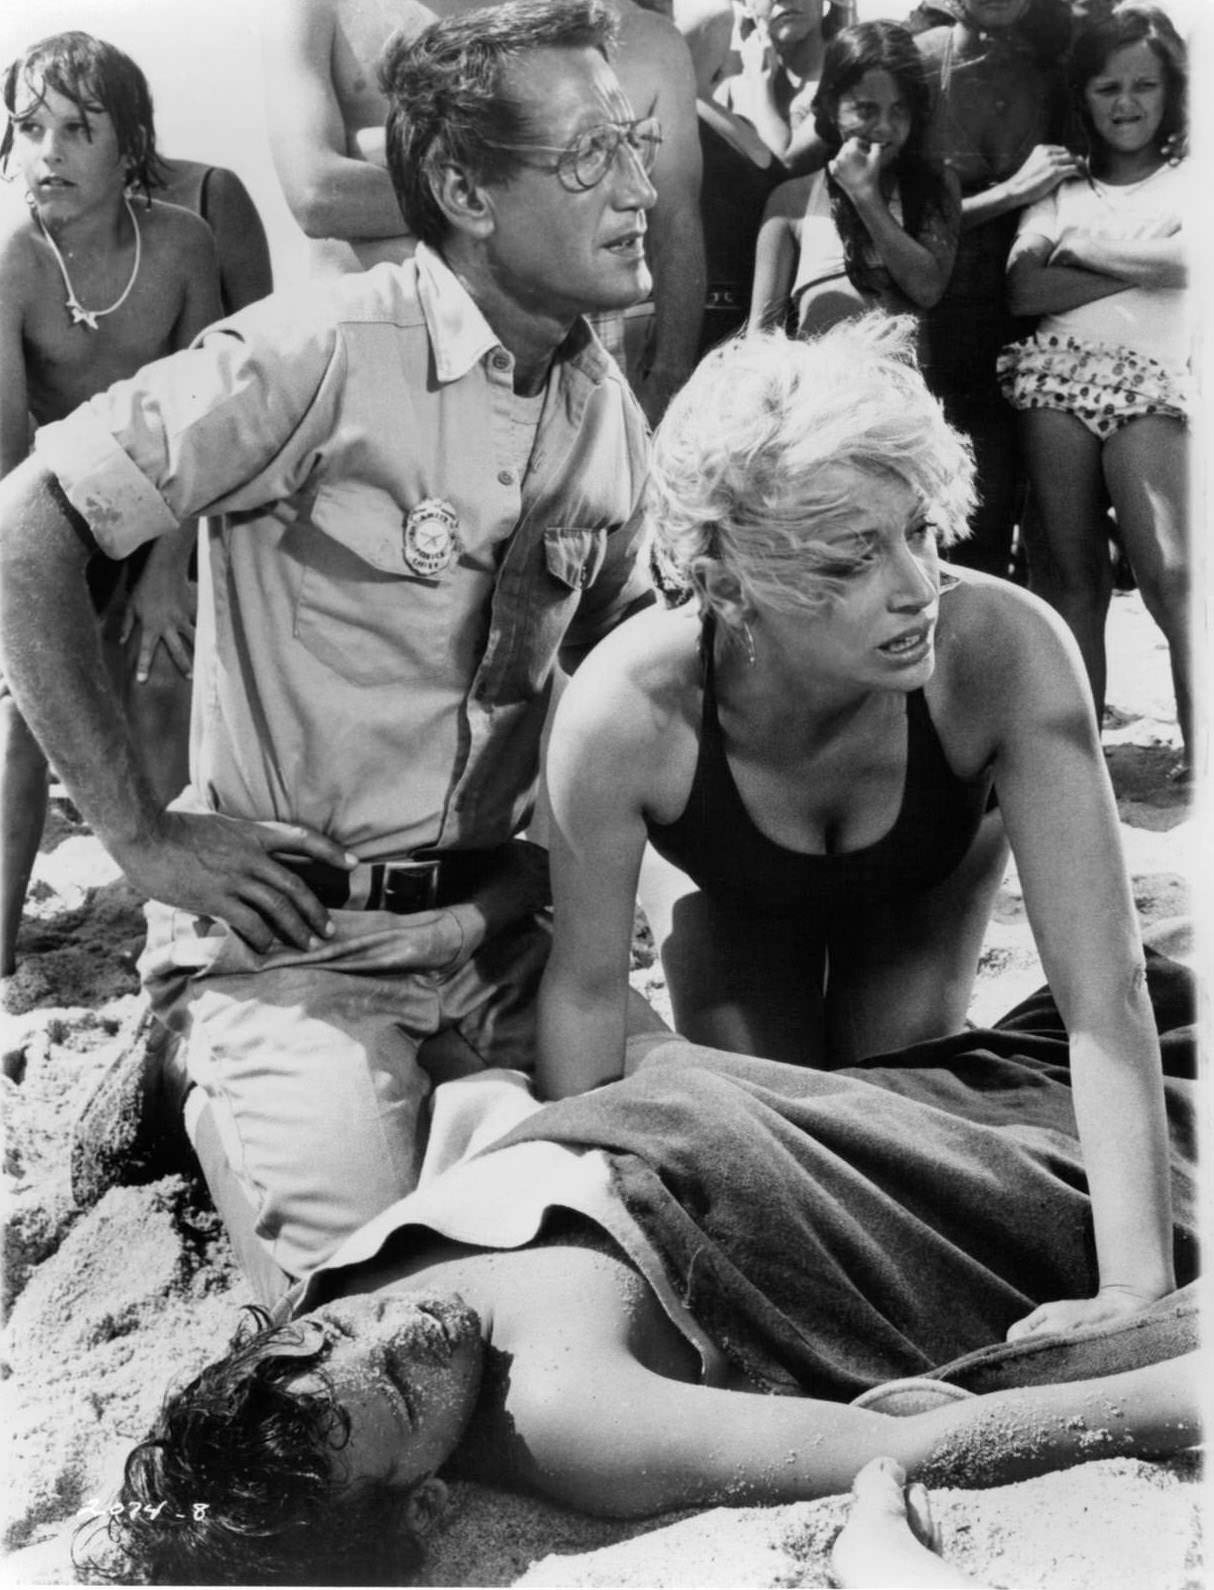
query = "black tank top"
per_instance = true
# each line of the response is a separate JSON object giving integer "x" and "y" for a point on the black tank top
{"x": 717, "y": 844}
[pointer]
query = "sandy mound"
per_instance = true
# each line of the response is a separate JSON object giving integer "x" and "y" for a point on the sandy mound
{"x": 109, "y": 1304}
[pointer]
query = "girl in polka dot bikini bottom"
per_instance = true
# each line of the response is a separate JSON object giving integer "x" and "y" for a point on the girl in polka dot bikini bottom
{"x": 1102, "y": 387}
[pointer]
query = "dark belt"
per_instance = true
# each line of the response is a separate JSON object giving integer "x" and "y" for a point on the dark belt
{"x": 423, "y": 881}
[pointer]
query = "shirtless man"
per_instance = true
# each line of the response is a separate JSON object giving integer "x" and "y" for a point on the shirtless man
{"x": 326, "y": 115}
{"x": 94, "y": 283}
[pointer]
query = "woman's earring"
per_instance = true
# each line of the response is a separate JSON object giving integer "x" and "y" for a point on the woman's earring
{"x": 748, "y": 644}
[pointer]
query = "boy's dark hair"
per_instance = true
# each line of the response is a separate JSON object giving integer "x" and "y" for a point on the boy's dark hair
{"x": 1126, "y": 26}
{"x": 850, "y": 55}
{"x": 450, "y": 106}
{"x": 237, "y": 1483}
{"x": 95, "y": 76}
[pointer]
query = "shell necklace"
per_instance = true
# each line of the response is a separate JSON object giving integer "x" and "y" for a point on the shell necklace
{"x": 80, "y": 316}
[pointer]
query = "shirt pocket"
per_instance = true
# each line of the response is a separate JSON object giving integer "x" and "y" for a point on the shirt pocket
{"x": 574, "y": 556}
{"x": 359, "y": 609}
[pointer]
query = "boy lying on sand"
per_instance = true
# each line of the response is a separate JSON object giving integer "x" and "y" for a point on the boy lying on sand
{"x": 587, "y": 1308}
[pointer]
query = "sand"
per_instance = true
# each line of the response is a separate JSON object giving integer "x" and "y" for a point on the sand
{"x": 107, "y": 1304}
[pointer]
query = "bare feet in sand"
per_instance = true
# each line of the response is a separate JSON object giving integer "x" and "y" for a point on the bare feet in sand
{"x": 889, "y": 1538}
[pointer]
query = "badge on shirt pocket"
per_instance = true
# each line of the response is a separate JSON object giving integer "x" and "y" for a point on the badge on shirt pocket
{"x": 431, "y": 537}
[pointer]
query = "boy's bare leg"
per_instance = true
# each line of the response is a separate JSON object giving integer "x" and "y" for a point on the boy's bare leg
{"x": 889, "y": 1537}
{"x": 22, "y": 818}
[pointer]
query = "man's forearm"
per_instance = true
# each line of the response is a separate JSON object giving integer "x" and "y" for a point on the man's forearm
{"x": 51, "y": 654}
{"x": 346, "y": 198}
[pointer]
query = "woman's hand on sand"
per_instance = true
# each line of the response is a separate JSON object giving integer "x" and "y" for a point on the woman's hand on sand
{"x": 1046, "y": 166}
{"x": 1110, "y": 1305}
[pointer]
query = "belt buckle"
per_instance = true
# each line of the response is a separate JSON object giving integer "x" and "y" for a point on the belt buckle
{"x": 410, "y": 886}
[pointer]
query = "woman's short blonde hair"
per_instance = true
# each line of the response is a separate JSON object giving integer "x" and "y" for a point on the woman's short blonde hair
{"x": 747, "y": 462}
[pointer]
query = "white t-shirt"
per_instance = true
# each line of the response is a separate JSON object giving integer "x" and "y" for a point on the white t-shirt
{"x": 1151, "y": 320}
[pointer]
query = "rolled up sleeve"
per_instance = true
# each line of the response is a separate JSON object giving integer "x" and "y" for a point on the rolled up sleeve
{"x": 118, "y": 502}
{"x": 232, "y": 422}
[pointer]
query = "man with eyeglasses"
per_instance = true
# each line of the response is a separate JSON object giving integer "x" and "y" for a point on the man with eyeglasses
{"x": 326, "y": 115}
{"x": 423, "y": 485}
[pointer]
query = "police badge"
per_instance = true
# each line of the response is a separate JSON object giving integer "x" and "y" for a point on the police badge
{"x": 430, "y": 536}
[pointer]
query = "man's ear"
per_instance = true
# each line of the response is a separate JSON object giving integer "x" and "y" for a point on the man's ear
{"x": 464, "y": 201}
{"x": 425, "y": 1505}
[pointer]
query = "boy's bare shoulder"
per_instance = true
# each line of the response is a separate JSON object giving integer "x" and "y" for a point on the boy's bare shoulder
{"x": 20, "y": 249}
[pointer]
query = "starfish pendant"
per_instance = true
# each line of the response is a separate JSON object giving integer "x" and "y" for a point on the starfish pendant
{"x": 81, "y": 316}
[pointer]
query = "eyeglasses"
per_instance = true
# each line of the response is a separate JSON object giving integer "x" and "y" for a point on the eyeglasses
{"x": 584, "y": 163}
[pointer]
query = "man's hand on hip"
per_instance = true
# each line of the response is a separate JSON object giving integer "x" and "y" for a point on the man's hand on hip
{"x": 225, "y": 867}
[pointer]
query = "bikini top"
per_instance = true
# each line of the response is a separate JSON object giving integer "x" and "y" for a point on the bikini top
{"x": 715, "y": 840}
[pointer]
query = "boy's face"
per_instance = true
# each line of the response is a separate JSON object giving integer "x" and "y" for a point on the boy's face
{"x": 70, "y": 160}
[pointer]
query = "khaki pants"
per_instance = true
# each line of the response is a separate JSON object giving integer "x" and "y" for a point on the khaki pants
{"x": 313, "y": 1062}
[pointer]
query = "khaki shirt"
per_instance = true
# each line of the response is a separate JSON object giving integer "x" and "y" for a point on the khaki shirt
{"x": 334, "y": 684}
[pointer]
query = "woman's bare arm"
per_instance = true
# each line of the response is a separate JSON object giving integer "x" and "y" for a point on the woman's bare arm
{"x": 596, "y": 772}
{"x": 1045, "y": 167}
{"x": 776, "y": 255}
{"x": 1036, "y": 285}
{"x": 1061, "y": 818}
{"x": 1133, "y": 261}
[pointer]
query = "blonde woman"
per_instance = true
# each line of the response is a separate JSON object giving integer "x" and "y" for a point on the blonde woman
{"x": 832, "y": 741}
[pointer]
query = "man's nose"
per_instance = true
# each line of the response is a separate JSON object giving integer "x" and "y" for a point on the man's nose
{"x": 633, "y": 183}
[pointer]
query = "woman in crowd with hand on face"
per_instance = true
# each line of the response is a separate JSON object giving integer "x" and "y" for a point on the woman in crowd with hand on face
{"x": 815, "y": 741}
{"x": 1102, "y": 387}
{"x": 878, "y": 227}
